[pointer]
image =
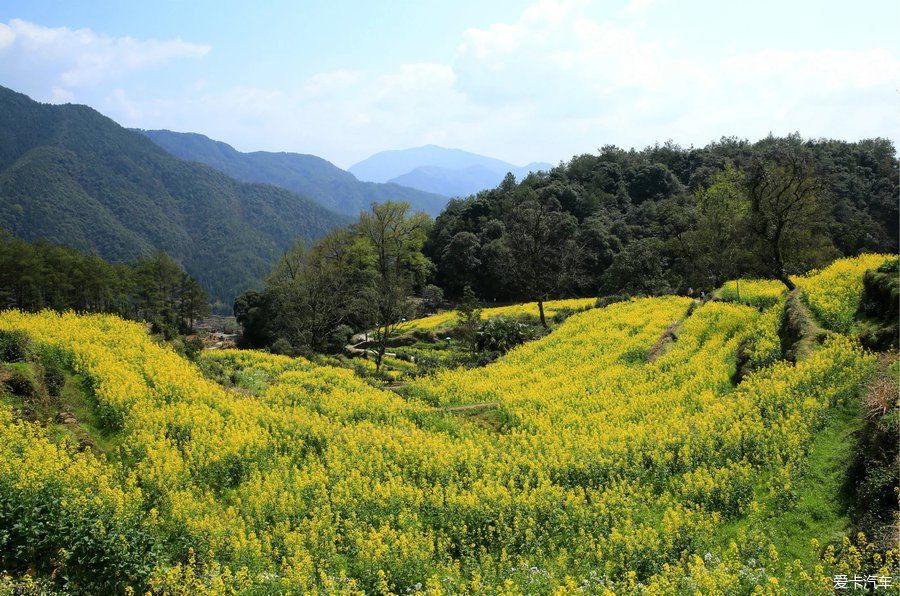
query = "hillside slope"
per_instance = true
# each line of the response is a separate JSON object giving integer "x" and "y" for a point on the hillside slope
{"x": 308, "y": 175}
{"x": 72, "y": 176}
{"x": 602, "y": 468}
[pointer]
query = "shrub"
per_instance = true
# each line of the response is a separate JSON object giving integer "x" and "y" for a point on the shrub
{"x": 562, "y": 314}
{"x": 21, "y": 384}
{"x": 282, "y": 346}
{"x": 338, "y": 339}
{"x": 192, "y": 347}
{"x": 54, "y": 376}
{"x": 432, "y": 297}
{"x": 603, "y": 301}
{"x": 14, "y": 346}
{"x": 501, "y": 334}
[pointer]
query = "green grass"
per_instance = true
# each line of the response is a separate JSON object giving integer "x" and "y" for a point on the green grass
{"x": 74, "y": 398}
{"x": 818, "y": 507}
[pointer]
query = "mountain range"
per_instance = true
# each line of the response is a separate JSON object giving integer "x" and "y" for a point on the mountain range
{"x": 72, "y": 176}
{"x": 449, "y": 172}
{"x": 308, "y": 175}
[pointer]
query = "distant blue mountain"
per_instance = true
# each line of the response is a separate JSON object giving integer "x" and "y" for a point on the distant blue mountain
{"x": 308, "y": 175}
{"x": 449, "y": 172}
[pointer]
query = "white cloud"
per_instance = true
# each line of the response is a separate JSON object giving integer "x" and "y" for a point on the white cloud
{"x": 555, "y": 81}
{"x": 63, "y": 60}
{"x": 637, "y": 7}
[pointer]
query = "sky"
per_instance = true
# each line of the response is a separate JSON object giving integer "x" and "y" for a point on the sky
{"x": 519, "y": 80}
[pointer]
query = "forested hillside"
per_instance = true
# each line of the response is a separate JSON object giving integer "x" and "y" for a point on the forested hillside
{"x": 669, "y": 219}
{"x": 70, "y": 175}
{"x": 40, "y": 275}
{"x": 307, "y": 175}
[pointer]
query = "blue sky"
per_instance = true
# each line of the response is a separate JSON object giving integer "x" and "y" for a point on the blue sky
{"x": 523, "y": 81}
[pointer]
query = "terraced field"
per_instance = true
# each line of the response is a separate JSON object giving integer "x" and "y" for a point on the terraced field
{"x": 551, "y": 307}
{"x": 618, "y": 454}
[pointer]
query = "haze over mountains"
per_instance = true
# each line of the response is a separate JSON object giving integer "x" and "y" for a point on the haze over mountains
{"x": 450, "y": 172}
{"x": 308, "y": 175}
{"x": 72, "y": 176}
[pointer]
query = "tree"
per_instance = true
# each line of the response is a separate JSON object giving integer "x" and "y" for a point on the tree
{"x": 468, "y": 319}
{"x": 432, "y": 297}
{"x": 318, "y": 290}
{"x": 460, "y": 259}
{"x": 193, "y": 301}
{"x": 786, "y": 211}
{"x": 166, "y": 296}
{"x": 255, "y": 314}
{"x": 157, "y": 279}
{"x": 44, "y": 275}
{"x": 544, "y": 255}
{"x": 642, "y": 268}
{"x": 717, "y": 246}
{"x": 394, "y": 238}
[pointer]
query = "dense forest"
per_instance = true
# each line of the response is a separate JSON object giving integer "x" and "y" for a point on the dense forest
{"x": 72, "y": 176}
{"x": 669, "y": 218}
{"x": 662, "y": 220}
{"x": 42, "y": 275}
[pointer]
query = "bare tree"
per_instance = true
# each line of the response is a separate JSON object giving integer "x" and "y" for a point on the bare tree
{"x": 786, "y": 211}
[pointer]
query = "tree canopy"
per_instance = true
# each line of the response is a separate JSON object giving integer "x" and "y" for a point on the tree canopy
{"x": 669, "y": 219}
{"x": 41, "y": 275}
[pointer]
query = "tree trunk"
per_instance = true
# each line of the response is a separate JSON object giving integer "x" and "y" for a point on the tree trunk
{"x": 382, "y": 339}
{"x": 541, "y": 310}
{"x": 786, "y": 280}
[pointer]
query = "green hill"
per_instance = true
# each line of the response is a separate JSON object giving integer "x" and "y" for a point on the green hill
{"x": 308, "y": 175}
{"x": 72, "y": 176}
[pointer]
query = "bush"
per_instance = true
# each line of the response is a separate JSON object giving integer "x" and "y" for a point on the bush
{"x": 192, "y": 348}
{"x": 562, "y": 314}
{"x": 432, "y": 297}
{"x": 338, "y": 339}
{"x": 14, "y": 346}
{"x": 282, "y": 346}
{"x": 54, "y": 376}
{"x": 21, "y": 384}
{"x": 501, "y": 334}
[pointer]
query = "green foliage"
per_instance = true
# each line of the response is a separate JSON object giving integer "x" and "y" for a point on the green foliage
{"x": 282, "y": 346}
{"x": 881, "y": 291}
{"x": 604, "y": 301}
{"x": 641, "y": 269}
{"x": 21, "y": 384}
{"x": 14, "y": 346}
{"x": 468, "y": 319}
{"x": 39, "y": 275}
{"x": 501, "y": 334}
{"x": 54, "y": 373}
{"x": 432, "y": 297}
{"x": 358, "y": 278}
{"x": 669, "y": 218}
